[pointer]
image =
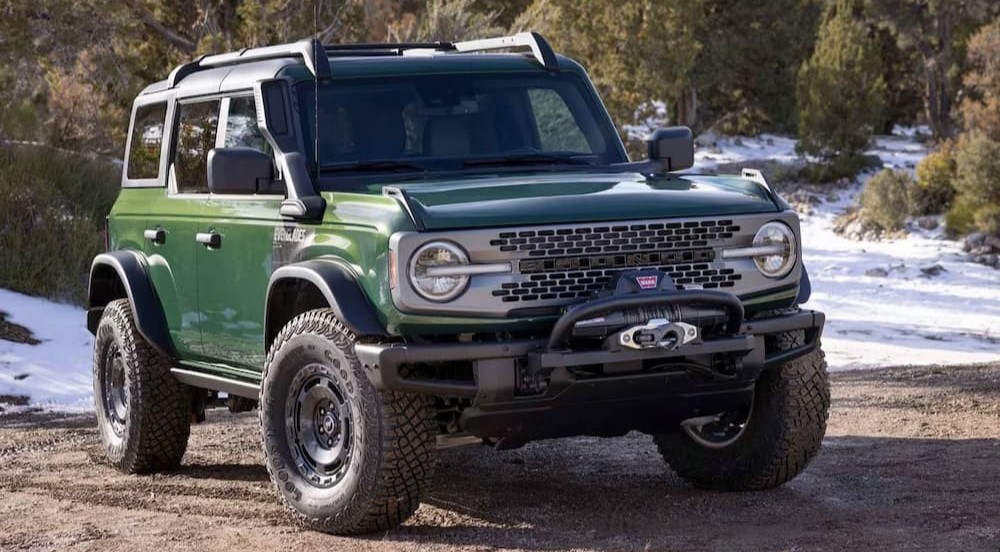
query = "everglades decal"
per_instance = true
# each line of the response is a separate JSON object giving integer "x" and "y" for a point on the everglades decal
{"x": 288, "y": 241}
{"x": 289, "y": 234}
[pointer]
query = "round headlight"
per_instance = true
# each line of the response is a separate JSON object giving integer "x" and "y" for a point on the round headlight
{"x": 777, "y": 243}
{"x": 429, "y": 274}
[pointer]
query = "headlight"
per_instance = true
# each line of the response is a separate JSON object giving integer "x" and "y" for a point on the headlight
{"x": 429, "y": 275}
{"x": 775, "y": 242}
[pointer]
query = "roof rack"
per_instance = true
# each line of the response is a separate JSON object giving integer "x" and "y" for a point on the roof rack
{"x": 539, "y": 47}
{"x": 311, "y": 51}
{"x": 316, "y": 56}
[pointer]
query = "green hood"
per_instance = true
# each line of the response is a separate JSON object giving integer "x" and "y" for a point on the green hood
{"x": 556, "y": 198}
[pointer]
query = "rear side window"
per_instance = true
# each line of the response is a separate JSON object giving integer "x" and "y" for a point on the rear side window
{"x": 147, "y": 137}
{"x": 197, "y": 124}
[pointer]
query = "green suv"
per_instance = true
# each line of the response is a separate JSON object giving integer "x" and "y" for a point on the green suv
{"x": 391, "y": 248}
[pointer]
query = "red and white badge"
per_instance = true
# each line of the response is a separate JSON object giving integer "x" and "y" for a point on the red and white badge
{"x": 646, "y": 282}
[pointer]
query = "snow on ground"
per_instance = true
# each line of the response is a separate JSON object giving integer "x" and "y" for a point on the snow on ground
{"x": 55, "y": 372}
{"x": 906, "y": 317}
{"x": 746, "y": 148}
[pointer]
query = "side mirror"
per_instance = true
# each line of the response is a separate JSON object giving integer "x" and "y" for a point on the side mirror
{"x": 672, "y": 147}
{"x": 239, "y": 171}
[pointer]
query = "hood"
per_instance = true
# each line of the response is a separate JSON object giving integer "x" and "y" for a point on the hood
{"x": 558, "y": 198}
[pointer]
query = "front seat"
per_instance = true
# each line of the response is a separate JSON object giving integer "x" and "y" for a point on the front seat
{"x": 446, "y": 137}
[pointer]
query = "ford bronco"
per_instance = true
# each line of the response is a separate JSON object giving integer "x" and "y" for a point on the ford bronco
{"x": 389, "y": 248}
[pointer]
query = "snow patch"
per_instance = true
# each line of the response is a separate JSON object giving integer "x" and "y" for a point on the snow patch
{"x": 55, "y": 372}
{"x": 905, "y": 317}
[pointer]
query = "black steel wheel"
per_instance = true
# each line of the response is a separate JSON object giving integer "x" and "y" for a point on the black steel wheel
{"x": 115, "y": 395}
{"x": 320, "y": 427}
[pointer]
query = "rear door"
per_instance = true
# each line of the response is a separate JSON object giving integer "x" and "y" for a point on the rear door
{"x": 173, "y": 221}
{"x": 233, "y": 275}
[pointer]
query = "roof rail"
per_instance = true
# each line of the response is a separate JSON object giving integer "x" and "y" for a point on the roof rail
{"x": 395, "y": 47}
{"x": 539, "y": 47}
{"x": 316, "y": 56}
{"x": 311, "y": 51}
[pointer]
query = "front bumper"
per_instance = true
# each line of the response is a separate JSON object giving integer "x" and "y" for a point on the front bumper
{"x": 647, "y": 390}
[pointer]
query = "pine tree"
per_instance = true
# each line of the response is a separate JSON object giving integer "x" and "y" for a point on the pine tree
{"x": 841, "y": 90}
{"x": 636, "y": 52}
{"x": 746, "y": 69}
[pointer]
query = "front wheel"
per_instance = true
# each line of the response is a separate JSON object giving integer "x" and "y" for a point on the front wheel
{"x": 768, "y": 443}
{"x": 345, "y": 457}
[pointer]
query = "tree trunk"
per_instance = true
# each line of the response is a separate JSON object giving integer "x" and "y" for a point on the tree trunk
{"x": 687, "y": 107}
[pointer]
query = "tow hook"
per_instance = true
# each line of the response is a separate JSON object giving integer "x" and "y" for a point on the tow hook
{"x": 658, "y": 333}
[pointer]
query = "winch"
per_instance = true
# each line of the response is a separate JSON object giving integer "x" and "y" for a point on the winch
{"x": 665, "y": 326}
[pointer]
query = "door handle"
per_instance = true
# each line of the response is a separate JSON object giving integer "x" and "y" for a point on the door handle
{"x": 210, "y": 240}
{"x": 157, "y": 236}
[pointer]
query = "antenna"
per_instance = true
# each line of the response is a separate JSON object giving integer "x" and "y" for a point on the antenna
{"x": 317, "y": 47}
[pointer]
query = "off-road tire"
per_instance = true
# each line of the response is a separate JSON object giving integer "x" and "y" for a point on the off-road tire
{"x": 157, "y": 420}
{"x": 786, "y": 428}
{"x": 390, "y": 462}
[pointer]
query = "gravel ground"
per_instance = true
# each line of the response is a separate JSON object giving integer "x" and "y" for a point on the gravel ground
{"x": 911, "y": 461}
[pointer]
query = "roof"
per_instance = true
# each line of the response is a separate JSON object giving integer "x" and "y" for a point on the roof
{"x": 306, "y": 60}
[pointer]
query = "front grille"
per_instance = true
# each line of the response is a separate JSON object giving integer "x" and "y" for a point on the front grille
{"x": 574, "y": 263}
{"x": 615, "y": 238}
{"x": 571, "y": 285}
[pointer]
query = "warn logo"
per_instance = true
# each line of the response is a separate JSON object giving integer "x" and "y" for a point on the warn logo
{"x": 646, "y": 282}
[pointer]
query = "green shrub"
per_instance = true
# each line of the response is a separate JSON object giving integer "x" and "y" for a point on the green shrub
{"x": 987, "y": 219}
{"x": 885, "y": 200}
{"x": 977, "y": 183}
{"x": 838, "y": 167}
{"x": 978, "y": 170}
{"x": 840, "y": 90}
{"x": 935, "y": 187}
{"x": 960, "y": 218}
{"x": 52, "y": 211}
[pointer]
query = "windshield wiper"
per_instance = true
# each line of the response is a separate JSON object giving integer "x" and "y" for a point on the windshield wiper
{"x": 527, "y": 159}
{"x": 373, "y": 166}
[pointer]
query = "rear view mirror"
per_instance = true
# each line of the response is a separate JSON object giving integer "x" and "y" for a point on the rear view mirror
{"x": 673, "y": 147}
{"x": 239, "y": 171}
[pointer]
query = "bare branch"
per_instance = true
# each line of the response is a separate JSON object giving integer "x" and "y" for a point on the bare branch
{"x": 142, "y": 12}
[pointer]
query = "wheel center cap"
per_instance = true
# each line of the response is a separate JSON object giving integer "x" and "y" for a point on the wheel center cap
{"x": 329, "y": 424}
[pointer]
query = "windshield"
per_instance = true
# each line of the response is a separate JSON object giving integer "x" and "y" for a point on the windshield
{"x": 414, "y": 124}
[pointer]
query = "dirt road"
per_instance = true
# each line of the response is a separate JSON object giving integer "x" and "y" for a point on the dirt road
{"x": 911, "y": 461}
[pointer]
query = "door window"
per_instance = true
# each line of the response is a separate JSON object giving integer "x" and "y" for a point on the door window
{"x": 241, "y": 126}
{"x": 197, "y": 124}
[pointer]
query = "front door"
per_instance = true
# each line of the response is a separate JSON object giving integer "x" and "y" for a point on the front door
{"x": 233, "y": 272}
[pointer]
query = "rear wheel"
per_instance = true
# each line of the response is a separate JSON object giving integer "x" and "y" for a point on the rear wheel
{"x": 143, "y": 412}
{"x": 345, "y": 457}
{"x": 764, "y": 445}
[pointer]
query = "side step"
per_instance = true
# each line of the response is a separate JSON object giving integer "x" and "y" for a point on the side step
{"x": 217, "y": 383}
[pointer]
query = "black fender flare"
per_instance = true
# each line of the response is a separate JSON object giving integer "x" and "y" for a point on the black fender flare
{"x": 338, "y": 284}
{"x": 132, "y": 273}
{"x": 805, "y": 288}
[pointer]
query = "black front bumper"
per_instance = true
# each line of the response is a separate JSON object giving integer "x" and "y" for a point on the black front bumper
{"x": 629, "y": 395}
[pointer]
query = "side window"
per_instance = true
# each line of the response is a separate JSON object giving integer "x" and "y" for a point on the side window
{"x": 197, "y": 124}
{"x": 147, "y": 136}
{"x": 241, "y": 126}
{"x": 557, "y": 128}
